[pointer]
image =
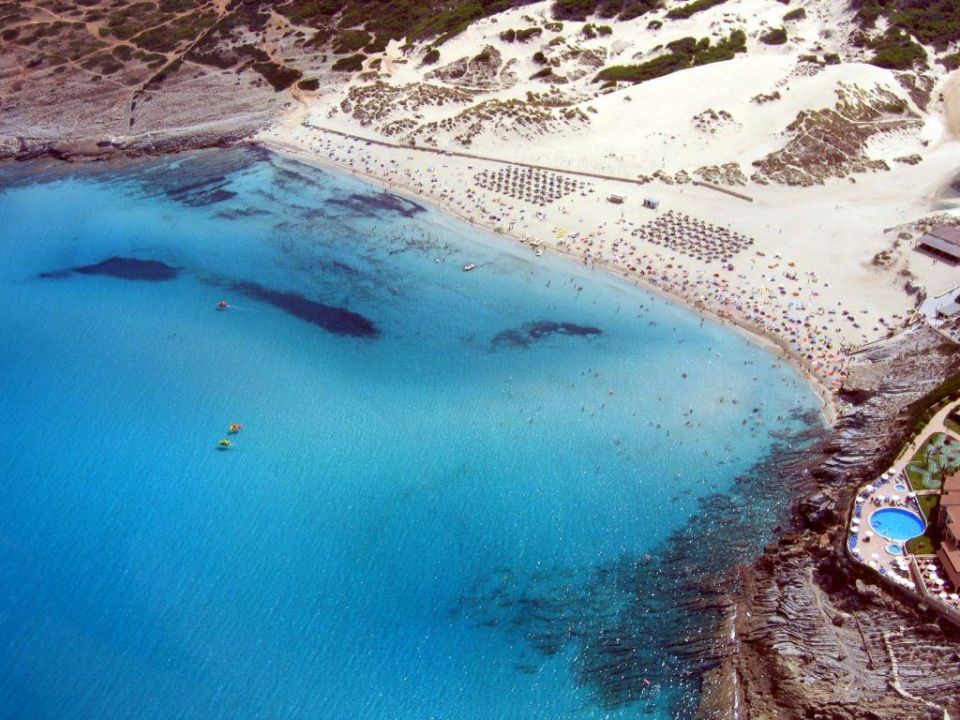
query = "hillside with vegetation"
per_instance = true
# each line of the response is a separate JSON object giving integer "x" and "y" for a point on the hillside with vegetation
{"x": 118, "y": 68}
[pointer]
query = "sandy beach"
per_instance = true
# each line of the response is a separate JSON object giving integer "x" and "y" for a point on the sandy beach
{"x": 794, "y": 288}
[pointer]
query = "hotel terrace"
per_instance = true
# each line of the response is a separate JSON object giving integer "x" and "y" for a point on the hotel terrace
{"x": 905, "y": 524}
{"x": 949, "y": 522}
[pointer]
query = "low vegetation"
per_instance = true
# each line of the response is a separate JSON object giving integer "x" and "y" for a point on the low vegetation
{"x": 683, "y": 53}
{"x": 692, "y": 8}
{"x": 895, "y": 50}
{"x": 776, "y": 36}
{"x": 522, "y": 35}
{"x": 932, "y": 22}
{"x": 623, "y": 9}
{"x": 351, "y": 63}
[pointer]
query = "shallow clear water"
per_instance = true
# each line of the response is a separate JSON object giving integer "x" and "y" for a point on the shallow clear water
{"x": 485, "y": 498}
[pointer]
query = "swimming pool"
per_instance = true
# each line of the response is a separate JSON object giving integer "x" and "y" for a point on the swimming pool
{"x": 894, "y": 549}
{"x": 897, "y": 524}
{"x": 901, "y": 487}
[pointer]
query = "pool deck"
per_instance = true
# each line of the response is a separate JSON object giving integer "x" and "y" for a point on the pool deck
{"x": 918, "y": 574}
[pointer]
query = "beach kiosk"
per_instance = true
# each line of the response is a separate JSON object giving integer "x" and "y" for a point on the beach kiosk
{"x": 616, "y": 199}
{"x": 651, "y": 202}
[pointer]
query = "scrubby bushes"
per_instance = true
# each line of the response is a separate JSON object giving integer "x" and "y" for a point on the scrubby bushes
{"x": 350, "y": 63}
{"x": 280, "y": 77}
{"x": 932, "y": 22}
{"x": 431, "y": 56}
{"x": 624, "y": 9}
{"x": 684, "y": 53}
{"x": 590, "y": 31}
{"x": 897, "y": 51}
{"x": 951, "y": 61}
{"x": 797, "y": 14}
{"x": 692, "y": 8}
{"x": 349, "y": 41}
{"x": 521, "y": 35}
{"x": 777, "y": 36}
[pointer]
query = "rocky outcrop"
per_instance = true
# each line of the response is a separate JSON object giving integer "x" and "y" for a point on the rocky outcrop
{"x": 482, "y": 71}
{"x": 228, "y": 134}
{"x": 832, "y": 142}
{"x": 726, "y": 174}
{"x": 815, "y": 632}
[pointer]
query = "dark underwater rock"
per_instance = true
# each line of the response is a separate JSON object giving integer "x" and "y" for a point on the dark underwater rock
{"x": 526, "y": 335}
{"x": 337, "y": 320}
{"x": 365, "y": 203}
{"x": 122, "y": 268}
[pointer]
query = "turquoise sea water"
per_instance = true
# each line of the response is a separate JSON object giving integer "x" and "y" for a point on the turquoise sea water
{"x": 456, "y": 495}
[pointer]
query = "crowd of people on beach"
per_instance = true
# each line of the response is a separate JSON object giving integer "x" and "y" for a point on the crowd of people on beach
{"x": 787, "y": 307}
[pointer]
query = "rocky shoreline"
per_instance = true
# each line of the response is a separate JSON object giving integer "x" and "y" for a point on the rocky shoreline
{"x": 814, "y": 633}
{"x": 104, "y": 148}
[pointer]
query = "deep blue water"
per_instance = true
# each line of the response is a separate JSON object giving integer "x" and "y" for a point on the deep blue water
{"x": 456, "y": 495}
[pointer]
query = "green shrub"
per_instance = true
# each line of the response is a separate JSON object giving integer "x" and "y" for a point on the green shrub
{"x": 309, "y": 85}
{"x": 378, "y": 45}
{"x": 582, "y": 9}
{"x": 431, "y": 56}
{"x": 692, "y": 8}
{"x": 684, "y": 53}
{"x": 280, "y": 77}
{"x": 349, "y": 41}
{"x": 350, "y": 63}
{"x": 897, "y": 51}
{"x": 686, "y": 46}
{"x": 777, "y": 36}
{"x": 932, "y": 22}
{"x": 951, "y": 61}
{"x": 574, "y": 9}
{"x": 649, "y": 70}
{"x": 539, "y": 58}
{"x": 798, "y": 14}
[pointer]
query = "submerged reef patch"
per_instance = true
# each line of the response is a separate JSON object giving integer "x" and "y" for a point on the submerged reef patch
{"x": 339, "y": 321}
{"x": 122, "y": 268}
{"x": 207, "y": 191}
{"x": 363, "y": 203}
{"x": 526, "y": 335}
{"x": 643, "y": 629}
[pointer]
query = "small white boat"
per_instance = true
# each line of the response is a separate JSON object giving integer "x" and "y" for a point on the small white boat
{"x": 468, "y": 267}
{"x": 539, "y": 252}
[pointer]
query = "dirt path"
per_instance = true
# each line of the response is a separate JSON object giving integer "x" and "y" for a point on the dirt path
{"x": 951, "y": 96}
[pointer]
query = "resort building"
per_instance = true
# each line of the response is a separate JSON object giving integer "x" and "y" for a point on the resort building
{"x": 942, "y": 241}
{"x": 949, "y": 521}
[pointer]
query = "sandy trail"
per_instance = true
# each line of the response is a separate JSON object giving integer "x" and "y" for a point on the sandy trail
{"x": 951, "y": 96}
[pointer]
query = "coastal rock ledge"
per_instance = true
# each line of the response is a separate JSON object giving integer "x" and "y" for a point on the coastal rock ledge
{"x": 817, "y": 637}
